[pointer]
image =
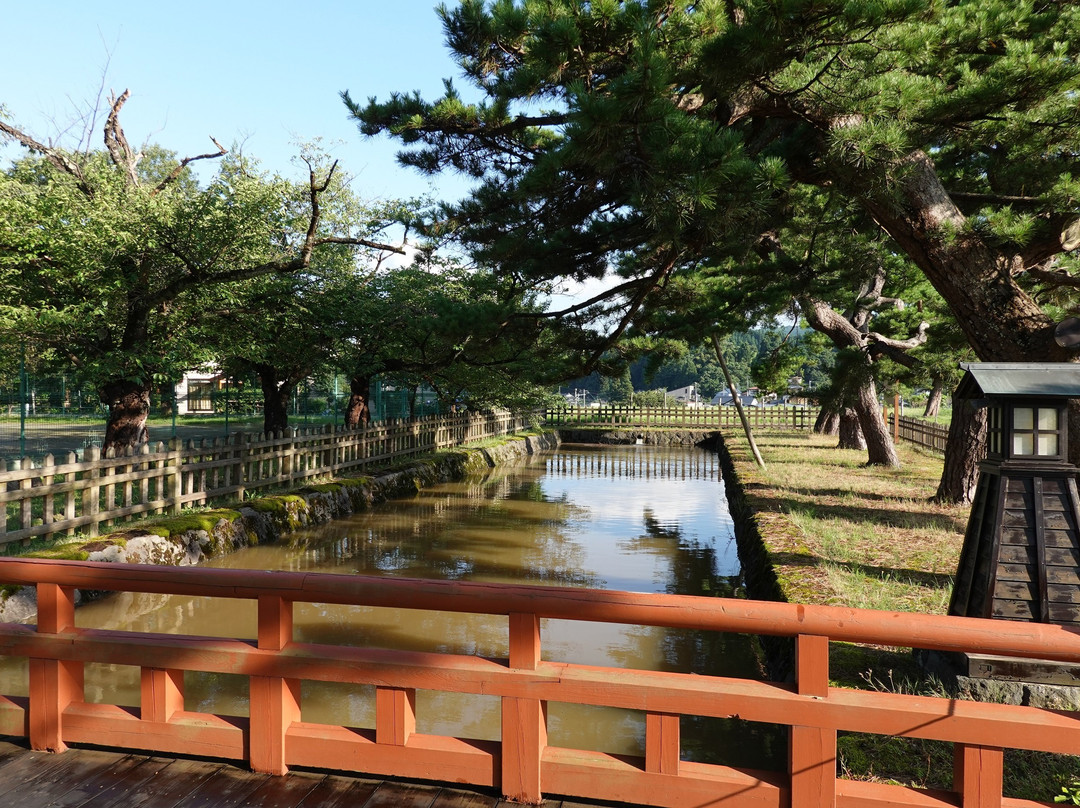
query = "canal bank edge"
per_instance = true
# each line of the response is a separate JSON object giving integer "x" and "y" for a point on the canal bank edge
{"x": 189, "y": 538}
{"x": 757, "y": 535}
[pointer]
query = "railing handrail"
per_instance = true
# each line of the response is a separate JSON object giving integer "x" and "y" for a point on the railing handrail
{"x": 734, "y": 615}
{"x": 522, "y": 764}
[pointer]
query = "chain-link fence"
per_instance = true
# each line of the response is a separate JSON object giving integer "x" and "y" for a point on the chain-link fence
{"x": 56, "y": 415}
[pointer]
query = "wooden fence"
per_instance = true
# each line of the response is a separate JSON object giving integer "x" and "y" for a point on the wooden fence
{"x": 923, "y": 433}
{"x": 50, "y": 497}
{"x": 616, "y": 417}
{"x": 521, "y": 765}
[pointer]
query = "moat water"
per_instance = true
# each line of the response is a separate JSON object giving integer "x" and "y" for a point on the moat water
{"x": 636, "y": 518}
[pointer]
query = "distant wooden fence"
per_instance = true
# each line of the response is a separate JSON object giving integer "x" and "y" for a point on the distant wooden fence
{"x": 41, "y": 499}
{"x": 923, "y": 433}
{"x": 274, "y": 736}
{"x": 616, "y": 417}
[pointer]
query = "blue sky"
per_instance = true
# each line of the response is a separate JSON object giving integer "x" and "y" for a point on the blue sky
{"x": 266, "y": 74}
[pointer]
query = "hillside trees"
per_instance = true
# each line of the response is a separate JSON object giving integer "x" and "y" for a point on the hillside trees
{"x": 104, "y": 256}
{"x": 660, "y": 137}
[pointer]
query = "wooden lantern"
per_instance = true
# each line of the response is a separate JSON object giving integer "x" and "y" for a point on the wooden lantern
{"x": 1021, "y": 554}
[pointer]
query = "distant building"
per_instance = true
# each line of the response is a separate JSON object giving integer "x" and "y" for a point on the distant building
{"x": 747, "y": 399}
{"x": 198, "y": 390}
{"x": 688, "y": 395}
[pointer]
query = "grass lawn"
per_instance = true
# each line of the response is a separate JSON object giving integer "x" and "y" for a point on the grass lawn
{"x": 840, "y": 533}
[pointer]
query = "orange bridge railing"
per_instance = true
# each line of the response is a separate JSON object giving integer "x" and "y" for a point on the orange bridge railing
{"x": 523, "y": 766}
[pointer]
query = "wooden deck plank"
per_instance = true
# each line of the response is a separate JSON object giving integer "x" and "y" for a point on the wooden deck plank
{"x": 112, "y": 787}
{"x": 226, "y": 787}
{"x": 77, "y": 783}
{"x": 100, "y": 778}
{"x": 282, "y": 792}
{"x": 402, "y": 795}
{"x": 455, "y": 798}
{"x": 339, "y": 792}
{"x": 167, "y": 786}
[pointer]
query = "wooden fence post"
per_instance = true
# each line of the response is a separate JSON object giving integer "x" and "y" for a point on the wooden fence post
{"x": 174, "y": 481}
{"x": 91, "y": 498}
{"x": 524, "y": 721}
{"x": 812, "y": 758}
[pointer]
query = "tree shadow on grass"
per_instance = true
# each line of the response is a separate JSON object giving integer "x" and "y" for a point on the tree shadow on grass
{"x": 933, "y": 580}
{"x": 885, "y": 517}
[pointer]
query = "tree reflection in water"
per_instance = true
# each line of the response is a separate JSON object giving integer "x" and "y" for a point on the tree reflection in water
{"x": 632, "y": 518}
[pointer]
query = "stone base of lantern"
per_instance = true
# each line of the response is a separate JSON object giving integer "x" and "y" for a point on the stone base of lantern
{"x": 1005, "y": 680}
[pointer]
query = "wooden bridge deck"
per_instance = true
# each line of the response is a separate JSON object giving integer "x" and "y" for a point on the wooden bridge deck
{"x": 93, "y": 778}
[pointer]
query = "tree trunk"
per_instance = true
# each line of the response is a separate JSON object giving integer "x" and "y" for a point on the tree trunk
{"x": 737, "y": 402}
{"x": 964, "y": 449}
{"x": 858, "y": 390}
{"x": 828, "y": 421}
{"x": 358, "y": 410}
{"x": 276, "y": 395}
{"x": 1001, "y": 321}
{"x": 849, "y": 430}
{"x": 129, "y": 404}
{"x": 880, "y": 449}
{"x": 933, "y": 401}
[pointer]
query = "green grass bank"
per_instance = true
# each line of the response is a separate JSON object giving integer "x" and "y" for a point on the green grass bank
{"x": 818, "y": 526}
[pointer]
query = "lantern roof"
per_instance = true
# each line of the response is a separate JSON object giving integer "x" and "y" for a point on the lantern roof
{"x": 1015, "y": 379}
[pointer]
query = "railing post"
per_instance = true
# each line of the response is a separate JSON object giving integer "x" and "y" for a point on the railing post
{"x": 662, "y": 743}
{"x": 395, "y": 715}
{"x": 161, "y": 694}
{"x": 524, "y": 721}
{"x": 977, "y": 775}
{"x": 274, "y": 701}
{"x": 812, "y": 758}
{"x": 54, "y": 683}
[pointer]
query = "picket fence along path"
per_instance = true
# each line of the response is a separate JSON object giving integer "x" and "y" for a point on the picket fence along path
{"x": 521, "y": 764}
{"x": 71, "y": 495}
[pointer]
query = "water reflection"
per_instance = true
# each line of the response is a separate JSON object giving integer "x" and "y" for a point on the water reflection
{"x": 637, "y": 518}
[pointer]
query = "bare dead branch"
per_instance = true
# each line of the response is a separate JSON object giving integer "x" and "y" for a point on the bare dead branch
{"x": 116, "y": 141}
{"x": 221, "y": 152}
{"x": 54, "y": 156}
{"x": 360, "y": 242}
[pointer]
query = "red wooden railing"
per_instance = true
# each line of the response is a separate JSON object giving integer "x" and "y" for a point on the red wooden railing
{"x": 522, "y": 765}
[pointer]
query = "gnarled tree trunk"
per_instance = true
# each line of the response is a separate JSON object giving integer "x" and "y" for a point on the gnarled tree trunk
{"x": 880, "y": 449}
{"x": 276, "y": 396}
{"x": 964, "y": 449}
{"x": 849, "y": 430}
{"x": 358, "y": 410}
{"x": 129, "y": 404}
{"x": 827, "y": 421}
{"x": 933, "y": 401}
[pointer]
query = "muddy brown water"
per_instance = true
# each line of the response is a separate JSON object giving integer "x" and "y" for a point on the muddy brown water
{"x": 635, "y": 518}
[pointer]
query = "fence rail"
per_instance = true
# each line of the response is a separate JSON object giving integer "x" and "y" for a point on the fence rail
{"x": 923, "y": 433}
{"x": 678, "y": 417}
{"x": 48, "y": 497}
{"x": 522, "y": 764}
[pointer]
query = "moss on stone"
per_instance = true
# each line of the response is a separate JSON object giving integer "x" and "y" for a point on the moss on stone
{"x": 201, "y": 520}
{"x": 63, "y": 553}
{"x": 277, "y": 504}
